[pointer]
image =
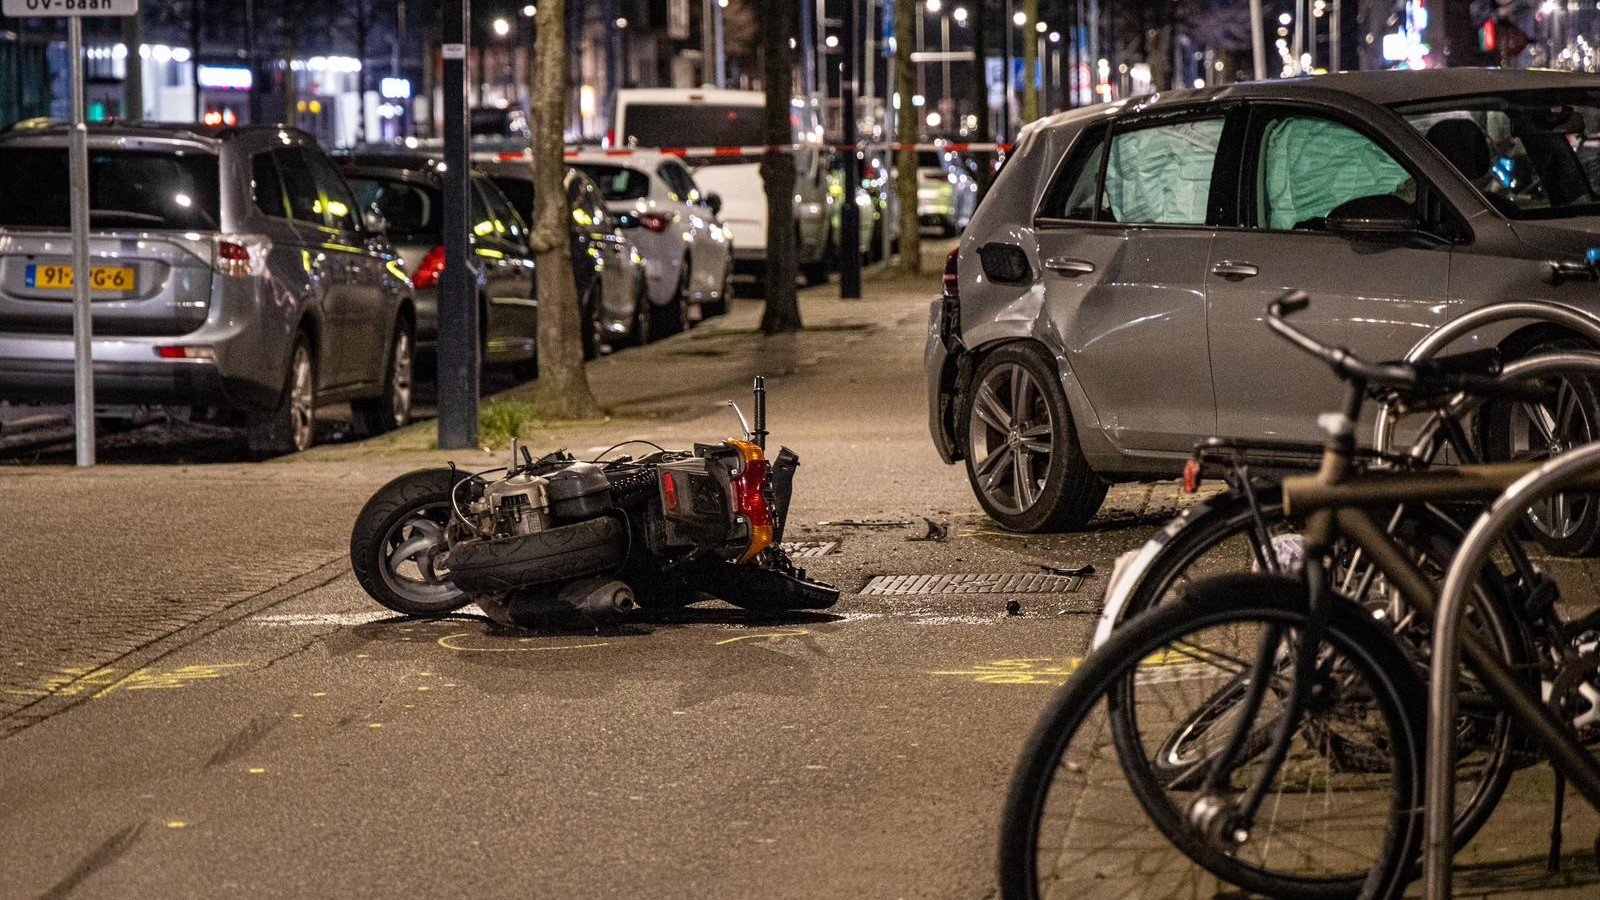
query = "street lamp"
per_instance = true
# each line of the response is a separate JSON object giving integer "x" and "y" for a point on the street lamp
{"x": 530, "y": 10}
{"x": 960, "y": 15}
{"x": 1019, "y": 18}
{"x": 934, "y": 6}
{"x": 502, "y": 27}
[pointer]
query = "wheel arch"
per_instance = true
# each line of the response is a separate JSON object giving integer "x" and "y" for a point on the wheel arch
{"x": 1521, "y": 342}
{"x": 955, "y": 380}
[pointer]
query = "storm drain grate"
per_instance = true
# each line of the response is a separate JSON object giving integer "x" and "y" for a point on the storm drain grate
{"x": 985, "y": 583}
{"x": 802, "y": 549}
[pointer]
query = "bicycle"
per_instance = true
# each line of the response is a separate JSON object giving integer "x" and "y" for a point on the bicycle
{"x": 1297, "y": 694}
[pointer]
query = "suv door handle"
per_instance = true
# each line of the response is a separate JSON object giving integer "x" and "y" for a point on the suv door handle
{"x": 1235, "y": 270}
{"x": 1065, "y": 265}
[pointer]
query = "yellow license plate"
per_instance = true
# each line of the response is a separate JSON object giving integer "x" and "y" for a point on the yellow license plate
{"x": 121, "y": 279}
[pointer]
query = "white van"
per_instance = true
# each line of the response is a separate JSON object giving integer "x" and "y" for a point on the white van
{"x": 709, "y": 117}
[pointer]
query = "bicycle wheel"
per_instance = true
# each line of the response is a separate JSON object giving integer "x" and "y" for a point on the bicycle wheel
{"x": 1220, "y": 537}
{"x": 1085, "y": 817}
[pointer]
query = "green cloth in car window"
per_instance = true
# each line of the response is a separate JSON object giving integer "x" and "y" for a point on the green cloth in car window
{"x": 1310, "y": 166}
{"x": 1163, "y": 175}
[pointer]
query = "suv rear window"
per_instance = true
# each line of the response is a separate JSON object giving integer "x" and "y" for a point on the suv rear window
{"x": 618, "y": 182}
{"x": 127, "y": 189}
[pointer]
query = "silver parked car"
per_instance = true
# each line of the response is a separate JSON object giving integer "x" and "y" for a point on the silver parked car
{"x": 1105, "y": 308}
{"x": 688, "y": 252}
{"x": 231, "y": 268}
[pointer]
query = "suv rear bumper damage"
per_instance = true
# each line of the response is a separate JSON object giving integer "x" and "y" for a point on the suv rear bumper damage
{"x": 947, "y": 366}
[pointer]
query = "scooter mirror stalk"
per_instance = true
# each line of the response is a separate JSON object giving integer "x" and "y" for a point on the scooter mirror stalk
{"x": 759, "y": 435}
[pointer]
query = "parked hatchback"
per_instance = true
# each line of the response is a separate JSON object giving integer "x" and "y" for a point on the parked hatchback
{"x": 230, "y": 268}
{"x": 407, "y": 191}
{"x": 1104, "y": 310}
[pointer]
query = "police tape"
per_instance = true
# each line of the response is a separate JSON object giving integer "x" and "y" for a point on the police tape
{"x": 744, "y": 151}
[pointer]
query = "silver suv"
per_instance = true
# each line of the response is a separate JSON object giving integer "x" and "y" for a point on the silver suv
{"x": 1104, "y": 310}
{"x": 231, "y": 268}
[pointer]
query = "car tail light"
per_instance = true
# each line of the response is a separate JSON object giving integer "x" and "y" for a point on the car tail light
{"x": 611, "y": 138}
{"x": 200, "y": 351}
{"x": 241, "y": 255}
{"x": 429, "y": 270}
{"x": 655, "y": 221}
{"x": 750, "y": 498}
{"x": 950, "y": 298}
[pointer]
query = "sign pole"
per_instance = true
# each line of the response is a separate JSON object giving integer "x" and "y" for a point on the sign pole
{"x": 458, "y": 303}
{"x": 850, "y": 214}
{"x": 82, "y": 325}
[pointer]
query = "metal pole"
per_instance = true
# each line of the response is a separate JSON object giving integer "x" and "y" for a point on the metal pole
{"x": 1005, "y": 97}
{"x": 1334, "y": 35}
{"x": 133, "y": 68}
{"x": 722, "y": 58}
{"x": 1258, "y": 45}
{"x": 458, "y": 306}
{"x": 708, "y": 43}
{"x": 850, "y": 215}
{"x": 82, "y": 325}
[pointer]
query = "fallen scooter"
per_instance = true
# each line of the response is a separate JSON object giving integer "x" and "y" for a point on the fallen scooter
{"x": 558, "y": 540}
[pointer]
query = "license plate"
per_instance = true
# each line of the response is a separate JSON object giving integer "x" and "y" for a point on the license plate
{"x": 122, "y": 279}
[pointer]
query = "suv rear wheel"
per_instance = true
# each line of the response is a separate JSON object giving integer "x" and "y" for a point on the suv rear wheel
{"x": 291, "y": 426}
{"x": 1022, "y": 452}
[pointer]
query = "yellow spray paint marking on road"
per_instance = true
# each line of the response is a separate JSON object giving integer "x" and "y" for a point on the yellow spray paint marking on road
{"x": 798, "y": 632}
{"x": 1169, "y": 664}
{"x": 454, "y": 642}
{"x": 98, "y": 682}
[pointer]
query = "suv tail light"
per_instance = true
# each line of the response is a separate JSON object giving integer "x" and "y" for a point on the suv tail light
{"x": 655, "y": 221}
{"x": 429, "y": 270}
{"x": 750, "y": 499}
{"x": 950, "y": 300}
{"x": 240, "y": 255}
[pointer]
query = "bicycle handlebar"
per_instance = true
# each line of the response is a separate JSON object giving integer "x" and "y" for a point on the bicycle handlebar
{"x": 1425, "y": 379}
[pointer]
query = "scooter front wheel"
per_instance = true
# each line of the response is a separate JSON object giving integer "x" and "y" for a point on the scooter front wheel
{"x": 397, "y": 540}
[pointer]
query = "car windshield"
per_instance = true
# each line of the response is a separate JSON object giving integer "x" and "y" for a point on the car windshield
{"x": 412, "y": 210}
{"x": 1533, "y": 154}
{"x": 697, "y": 124}
{"x": 617, "y": 182}
{"x": 127, "y": 189}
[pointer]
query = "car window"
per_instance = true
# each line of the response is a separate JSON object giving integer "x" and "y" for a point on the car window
{"x": 1162, "y": 174}
{"x": 483, "y": 224}
{"x": 510, "y": 224}
{"x": 1074, "y": 194}
{"x": 679, "y": 183}
{"x": 618, "y": 182}
{"x": 1311, "y": 165}
{"x": 337, "y": 201}
{"x": 412, "y": 210}
{"x": 299, "y": 187}
{"x": 1533, "y": 154}
{"x": 519, "y": 191}
{"x": 127, "y": 189}
{"x": 267, "y": 185}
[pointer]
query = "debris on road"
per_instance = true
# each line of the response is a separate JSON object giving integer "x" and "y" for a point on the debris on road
{"x": 1080, "y": 572}
{"x": 869, "y": 523}
{"x": 1013, "y": 608}
{"x": 936, "y": 532}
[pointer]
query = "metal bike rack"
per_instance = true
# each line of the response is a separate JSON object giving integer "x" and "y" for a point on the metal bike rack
{"x": 1486, "y": 534}
{"x": 1587, "y": 325}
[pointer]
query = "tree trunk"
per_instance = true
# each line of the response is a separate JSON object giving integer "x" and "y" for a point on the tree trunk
{"x": 562, "y": 391}
{"x": 905, "y": 159}
{"x": 782, "y": 312}
{"x": 1030, "y": 61}
{"x": 133, "y": 85}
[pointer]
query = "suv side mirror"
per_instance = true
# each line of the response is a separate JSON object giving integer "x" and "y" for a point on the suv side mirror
{"x": 375, "y": 221}
{"x": 714, "y": 203}
{"x": 1376, "y": 217}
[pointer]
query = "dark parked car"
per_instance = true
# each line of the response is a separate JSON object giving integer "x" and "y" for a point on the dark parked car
{"x": 606, "y": 265}
{"x": 1105, "y": 308}
{"x": 406, "y": 190}
{"x": 231, "y": 268}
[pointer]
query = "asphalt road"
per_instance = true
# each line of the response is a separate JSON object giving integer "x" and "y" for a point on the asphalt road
{"x": 200, "y": 701}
